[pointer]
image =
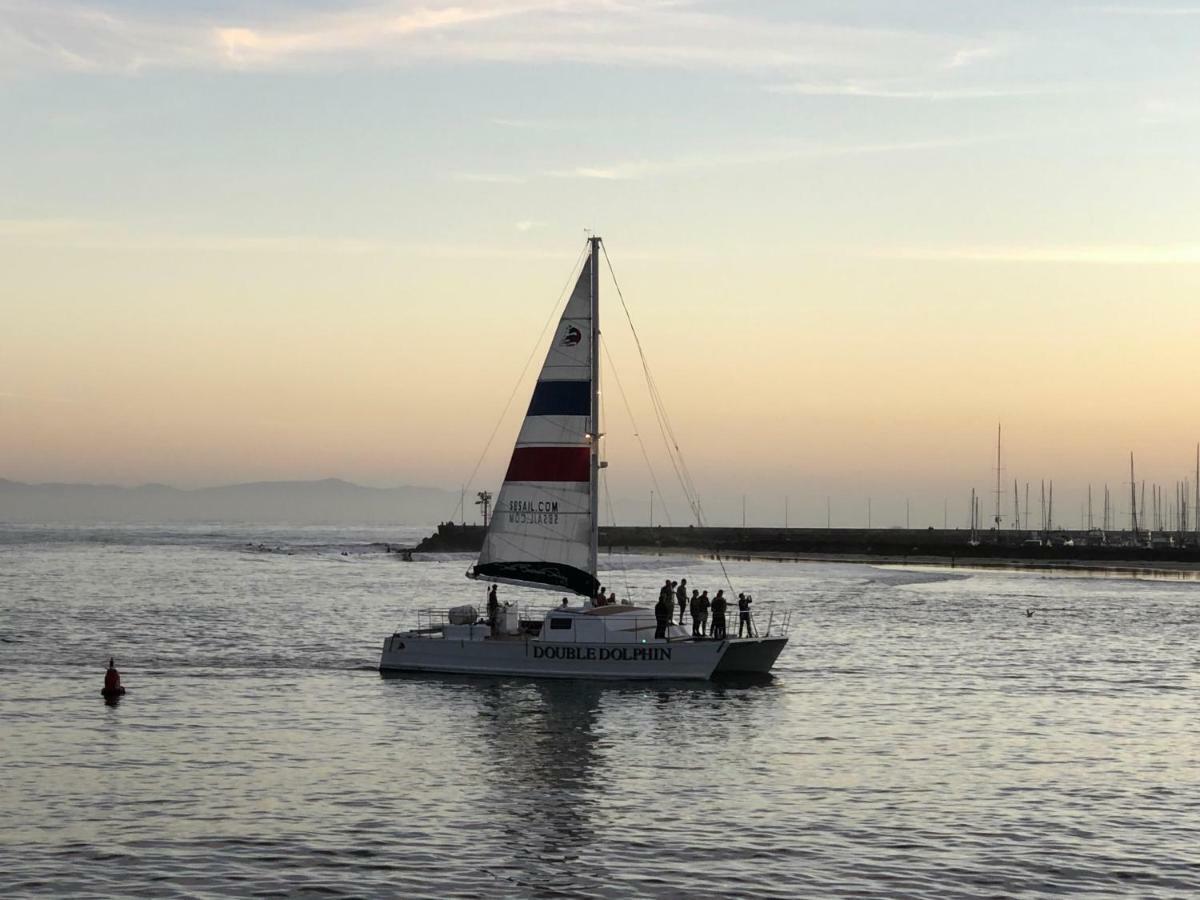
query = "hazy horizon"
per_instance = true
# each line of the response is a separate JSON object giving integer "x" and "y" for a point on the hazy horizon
{"x": 300, "y": 241}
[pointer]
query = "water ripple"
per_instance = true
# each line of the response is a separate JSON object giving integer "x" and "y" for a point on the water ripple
{"x": 922, "y": 736}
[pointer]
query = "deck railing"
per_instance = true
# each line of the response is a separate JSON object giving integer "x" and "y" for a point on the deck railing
{"x": 777, "y": 617}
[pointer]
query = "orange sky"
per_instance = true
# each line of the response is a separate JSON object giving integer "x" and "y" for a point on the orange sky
{"x": 320, "y": 242}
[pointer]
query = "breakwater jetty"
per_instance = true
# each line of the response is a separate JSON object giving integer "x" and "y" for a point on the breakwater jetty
{"x": 961, "y": 546}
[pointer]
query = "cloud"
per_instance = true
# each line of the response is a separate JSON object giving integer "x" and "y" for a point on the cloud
{"x": 532, "y": 124}
{"x": 489, "y": 178}
{"x": 353, "y": 30}
{"x": 528, "y": 225}
{"x": 780, "y": 153}
{"x": 35, "y": 35}
{"x": 1092, "y": 254}
{"x": 1148, "y": 11}
{"x": 76, "y": 234}
{"x": 967, "y": 56}
{"x": 850, "y": 89}
{"x": 1168, "y": 111}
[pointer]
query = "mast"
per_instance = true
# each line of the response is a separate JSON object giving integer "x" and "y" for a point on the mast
{"x": 1133, "y": 516}
{"x": 1050, "y": 511}
{"x": 1142, "y": 508}
{"x": 594, "y": 420}
{"x": 999, "y": 490}
{"x": 1045, "y": 528}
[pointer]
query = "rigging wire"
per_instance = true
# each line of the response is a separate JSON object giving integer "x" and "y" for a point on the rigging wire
{"x": 620, "y": 556}
{"x": 525, "y": 368}
{"x": 612, "y": 367}
{"x": 674, "y": 452}
{"x": 612, "y": 517}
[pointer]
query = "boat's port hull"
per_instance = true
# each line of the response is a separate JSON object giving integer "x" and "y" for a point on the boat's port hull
{"x": 675, "y": 660}
{"x": 750, "y": 655}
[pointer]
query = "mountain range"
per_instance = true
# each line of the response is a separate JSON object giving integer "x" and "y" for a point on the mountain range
{"x": 331, "y": 501}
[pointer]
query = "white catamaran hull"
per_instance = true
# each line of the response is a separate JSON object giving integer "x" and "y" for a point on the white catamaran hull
{"x": 689, "y": 660}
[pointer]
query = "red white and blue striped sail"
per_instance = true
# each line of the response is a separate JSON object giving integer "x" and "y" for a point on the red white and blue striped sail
{"x": 541, "y": 528}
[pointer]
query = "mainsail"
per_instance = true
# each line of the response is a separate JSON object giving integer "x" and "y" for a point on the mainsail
{"x": 542, "y": 531}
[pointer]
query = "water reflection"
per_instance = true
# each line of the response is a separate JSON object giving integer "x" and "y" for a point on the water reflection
{"x": 542, "y": 746}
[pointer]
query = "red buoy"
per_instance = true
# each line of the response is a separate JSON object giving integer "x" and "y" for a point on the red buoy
{"x": 112, "y": 682}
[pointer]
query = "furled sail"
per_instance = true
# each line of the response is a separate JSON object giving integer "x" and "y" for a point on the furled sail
{"x": 541, "y": 528}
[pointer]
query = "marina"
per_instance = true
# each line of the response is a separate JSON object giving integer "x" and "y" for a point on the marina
{"x": 949, "y": 546}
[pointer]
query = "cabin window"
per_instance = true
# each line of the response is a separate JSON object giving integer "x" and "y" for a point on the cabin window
{"x": 560, "y": 624}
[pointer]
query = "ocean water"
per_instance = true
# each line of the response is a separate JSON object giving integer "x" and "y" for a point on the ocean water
{"x": 921, "y": 737}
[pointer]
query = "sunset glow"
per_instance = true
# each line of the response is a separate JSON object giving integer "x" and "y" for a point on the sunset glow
{"x": 314, "y": 240}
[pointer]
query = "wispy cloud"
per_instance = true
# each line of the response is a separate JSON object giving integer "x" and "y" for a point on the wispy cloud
{"x": 353, "y": 30}
{"x": 653, "y": 33}
{"x": 79, "y": 234}
{"x": 532, "y": 124}
{"x": 881, "y": 92}
{"x": 967, "y": 56}
{"x": 1168, "y": 111}
{"x": 1090, "y": 254}
{"x": 489, "y": 178}
{"x": 1150, "y": 11}
{"x": 780, "y": 153}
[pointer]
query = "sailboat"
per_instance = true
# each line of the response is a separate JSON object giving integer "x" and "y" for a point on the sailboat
{"x": 544, "y": 533}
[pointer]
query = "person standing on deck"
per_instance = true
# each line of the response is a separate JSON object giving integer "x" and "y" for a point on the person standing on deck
{"x": 718, "y": 616}
{"x": 704, "y": 605}
{"x": 493, "y": 607}
{"x": 663, "y": 611}
{"x": 681, "y": 597}
{"x": 744, "y": 601}
{"x": 697, "y": 613}
{"x": 665, "y": 590}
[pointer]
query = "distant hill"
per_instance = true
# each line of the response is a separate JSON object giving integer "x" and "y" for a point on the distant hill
{"x": 331, "y": 501}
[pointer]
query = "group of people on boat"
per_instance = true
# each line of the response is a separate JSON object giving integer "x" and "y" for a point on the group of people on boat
{"x": 601, "y": 600}
{"x": 672, "y": 592}
{"x": 700, "y": 605}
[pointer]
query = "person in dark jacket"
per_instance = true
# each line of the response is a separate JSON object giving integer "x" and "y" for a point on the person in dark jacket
{"x": 664, "y": 611}
{"x": 744, "y": 601}
{"x": 718, "y": 616}
{"x": 705, "y": 603}
{"x": 681, "y": 598}
{"x": 493, "y": 606}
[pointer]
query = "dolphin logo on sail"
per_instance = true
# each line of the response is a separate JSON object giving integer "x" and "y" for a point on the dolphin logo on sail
{"x": 573, "y": 336}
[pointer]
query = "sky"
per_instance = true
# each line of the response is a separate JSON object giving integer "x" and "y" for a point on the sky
{"x": 320, "y": 239}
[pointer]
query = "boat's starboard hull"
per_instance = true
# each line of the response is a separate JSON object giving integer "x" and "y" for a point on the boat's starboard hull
{"x": 675, "y": 660}
{"x": 750, "y": 655}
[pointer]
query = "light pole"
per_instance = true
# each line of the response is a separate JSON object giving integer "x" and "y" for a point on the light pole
{"x": 484, "y": 502}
